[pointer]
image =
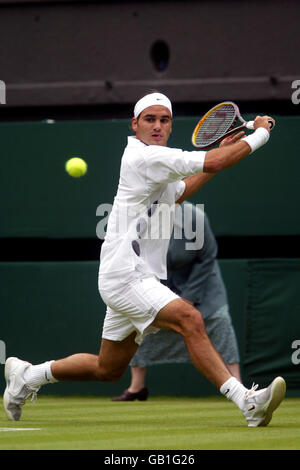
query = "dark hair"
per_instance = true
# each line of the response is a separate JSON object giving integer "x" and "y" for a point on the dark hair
{"x": 152, "y": 90}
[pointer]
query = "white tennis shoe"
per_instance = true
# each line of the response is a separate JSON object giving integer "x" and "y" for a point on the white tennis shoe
{"x": 17, "y": 391}
{"x": 260, "y": 405}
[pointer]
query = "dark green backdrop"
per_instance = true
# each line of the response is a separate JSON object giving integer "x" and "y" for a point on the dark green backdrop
{"x": 53, "y": 309}
{"x": 260, "y": 196}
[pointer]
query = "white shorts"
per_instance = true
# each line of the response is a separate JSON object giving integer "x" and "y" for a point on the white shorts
{"x": 133, "y": 301}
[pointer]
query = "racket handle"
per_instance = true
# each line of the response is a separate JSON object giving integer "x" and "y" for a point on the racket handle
{"x": 250, "y": 125}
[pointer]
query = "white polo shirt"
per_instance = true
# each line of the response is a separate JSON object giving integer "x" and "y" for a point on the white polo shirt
{"x": 141, "y": 221}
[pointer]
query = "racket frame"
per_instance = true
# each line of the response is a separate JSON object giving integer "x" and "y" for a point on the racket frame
{"x": 231, "y": 129}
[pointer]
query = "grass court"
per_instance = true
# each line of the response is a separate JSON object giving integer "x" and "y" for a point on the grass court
{"x": 161, "y": 423}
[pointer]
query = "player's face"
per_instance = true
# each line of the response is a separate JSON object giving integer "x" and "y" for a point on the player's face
{"x": 153, "y": 126}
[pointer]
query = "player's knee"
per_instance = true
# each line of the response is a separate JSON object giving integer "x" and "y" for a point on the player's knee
{"x": 105, "y": 374}
{"x": 112, "y": 377}
{"x": 192, "y": 323}
{"x": 108, "y": 376}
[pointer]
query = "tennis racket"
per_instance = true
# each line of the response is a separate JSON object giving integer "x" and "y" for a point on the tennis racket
{"x": 218, "y": 123}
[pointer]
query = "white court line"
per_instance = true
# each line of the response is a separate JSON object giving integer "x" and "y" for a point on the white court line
{"x": 19, "y": 429}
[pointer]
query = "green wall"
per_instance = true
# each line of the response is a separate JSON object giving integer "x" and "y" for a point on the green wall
{"x": 260, "y": 196}
{"x": 53, "y": 309}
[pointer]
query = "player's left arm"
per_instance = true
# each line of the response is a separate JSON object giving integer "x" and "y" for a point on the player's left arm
{"x": 203, "y": 265}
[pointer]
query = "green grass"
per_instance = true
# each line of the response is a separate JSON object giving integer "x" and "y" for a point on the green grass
{"x": 92, "y": 423}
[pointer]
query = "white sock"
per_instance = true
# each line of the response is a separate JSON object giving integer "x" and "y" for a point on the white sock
{"x": 35, "y": 376}
{"x": 234, "y": 391}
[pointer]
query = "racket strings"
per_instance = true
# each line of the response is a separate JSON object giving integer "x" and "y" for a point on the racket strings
{"x": 215, "y": 125}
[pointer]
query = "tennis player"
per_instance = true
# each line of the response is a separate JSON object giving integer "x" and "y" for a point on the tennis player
{"x": 153, "y": 177}
{"x": 195, "y": 275}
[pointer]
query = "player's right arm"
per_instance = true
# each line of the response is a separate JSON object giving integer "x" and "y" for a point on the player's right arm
{"x": 229, "y": 155}
{"x": 195, "y": 182}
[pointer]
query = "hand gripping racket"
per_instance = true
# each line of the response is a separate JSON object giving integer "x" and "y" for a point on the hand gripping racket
{"x": 218, "y": 123}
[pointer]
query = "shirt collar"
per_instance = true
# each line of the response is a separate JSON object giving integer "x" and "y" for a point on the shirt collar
{"x": 134, "y": 142}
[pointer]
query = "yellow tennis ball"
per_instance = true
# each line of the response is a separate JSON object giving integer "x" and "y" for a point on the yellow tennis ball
{"x": 76, "y": 167}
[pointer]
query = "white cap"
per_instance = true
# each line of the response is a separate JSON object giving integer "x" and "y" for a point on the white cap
{"x": 153, "y": 99}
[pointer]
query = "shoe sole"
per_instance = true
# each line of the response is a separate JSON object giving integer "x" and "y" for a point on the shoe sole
{"x": 7, "y": 363}
{"x": 6, "y": 392}
{"x": 277, "y": 395}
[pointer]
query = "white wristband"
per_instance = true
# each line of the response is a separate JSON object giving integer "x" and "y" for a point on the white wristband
{"x": 257, "y": 139}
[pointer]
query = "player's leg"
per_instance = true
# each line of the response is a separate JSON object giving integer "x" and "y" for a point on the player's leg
{"x": 24, "y": 379}
{"x": 183, "y": 318}
{"x": 118, "y": 346}
{"x": 234, "y": 369}
{"x": 109, "y": 365}
{"x": 221, "y": 332}
{"x": 257, "y": 405}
